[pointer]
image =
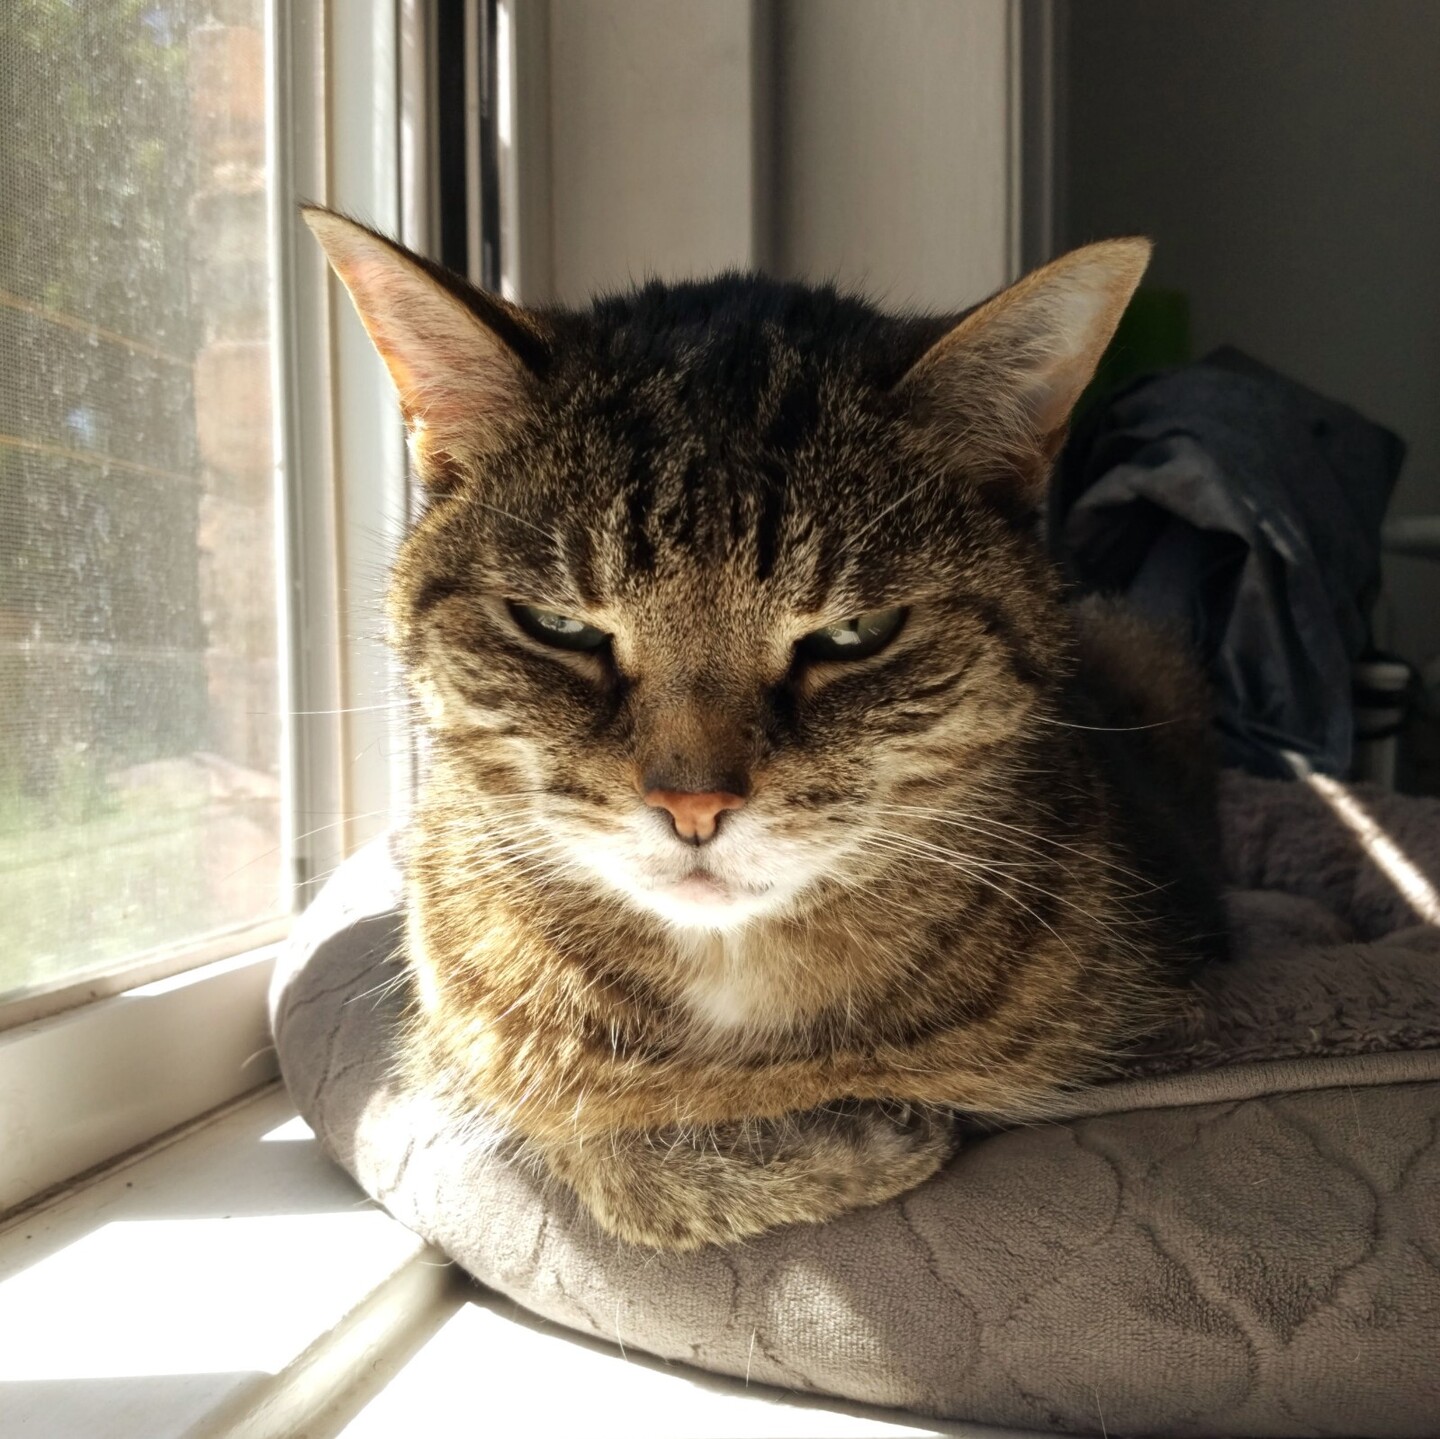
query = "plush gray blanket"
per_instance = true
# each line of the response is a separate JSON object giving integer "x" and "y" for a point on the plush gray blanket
{"x": 1239, "y": 1237}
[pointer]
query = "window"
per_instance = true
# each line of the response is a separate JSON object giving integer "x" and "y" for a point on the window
{"x": 202, "y": 480}
{"x": 140, "y": 756}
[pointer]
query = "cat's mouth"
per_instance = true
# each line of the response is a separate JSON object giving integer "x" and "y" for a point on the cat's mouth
{"x": 700, "y": 897}
{"x": 717, "y": 892}
{"x": 700, "y": 887}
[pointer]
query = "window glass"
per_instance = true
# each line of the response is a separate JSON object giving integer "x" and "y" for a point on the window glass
{"x": 139, "y": 723}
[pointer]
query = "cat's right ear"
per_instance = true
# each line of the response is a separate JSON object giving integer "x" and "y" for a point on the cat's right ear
{"x": 456, "y": 362}
{"x": 996, "y": 391}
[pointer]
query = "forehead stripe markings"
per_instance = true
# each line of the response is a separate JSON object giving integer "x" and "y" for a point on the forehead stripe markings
{"x": 639, "y": 503}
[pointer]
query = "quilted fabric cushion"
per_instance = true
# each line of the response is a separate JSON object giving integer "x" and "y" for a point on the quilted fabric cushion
{"x": 1241, "y": 1237}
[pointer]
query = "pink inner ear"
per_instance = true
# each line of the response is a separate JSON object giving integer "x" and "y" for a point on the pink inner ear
{"x": 456, "y": 380}
{"x": 1080, "y": 325}
{"x": 1053, "y": 394}
{"x": 1026, "y": 355}
{"x": 461, "y": 386}
{"x": 372, "y": 286}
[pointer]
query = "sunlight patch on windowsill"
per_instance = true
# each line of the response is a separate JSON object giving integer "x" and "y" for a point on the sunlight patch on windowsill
{"x": 136, "y": 1298}
{"x": 291, "y": 1130}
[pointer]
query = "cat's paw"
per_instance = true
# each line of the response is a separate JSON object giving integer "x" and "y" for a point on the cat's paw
{"x": 684, "y": 1190}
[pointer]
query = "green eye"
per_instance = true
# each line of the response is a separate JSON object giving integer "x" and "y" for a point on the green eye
{"x": 854, "y": 639}
{"x": 552, "y": 628}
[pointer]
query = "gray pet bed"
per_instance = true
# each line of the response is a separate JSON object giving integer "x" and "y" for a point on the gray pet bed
{"x": 1241, "y": 1239}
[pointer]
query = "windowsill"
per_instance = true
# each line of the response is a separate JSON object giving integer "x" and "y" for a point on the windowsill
{"x": 233, "y": 1281}
{"x": 98, "y": 1080}
{"x": 232, "y": 1274}
{"x": 141, "y": 972}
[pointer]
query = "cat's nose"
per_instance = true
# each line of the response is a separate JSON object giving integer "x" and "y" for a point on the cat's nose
{"x": 695, "y": 815}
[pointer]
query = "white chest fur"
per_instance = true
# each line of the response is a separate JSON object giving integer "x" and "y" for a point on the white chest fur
{"x": 734, "y": 988}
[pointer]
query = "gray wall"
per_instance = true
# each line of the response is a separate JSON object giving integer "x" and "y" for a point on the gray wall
{"x": 893, "y": 139}
{"x": 1286, "y": 157}
{"x": 863, "y": 140}
{"x": 651, "y": 129}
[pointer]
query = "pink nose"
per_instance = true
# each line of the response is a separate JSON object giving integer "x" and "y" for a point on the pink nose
{"x": 696, "y": 816}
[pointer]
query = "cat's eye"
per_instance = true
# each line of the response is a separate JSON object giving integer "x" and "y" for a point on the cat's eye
{"x": 853, "y": 639}
{"x": 552, "y": 628}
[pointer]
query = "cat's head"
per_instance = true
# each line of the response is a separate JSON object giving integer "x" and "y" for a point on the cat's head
{"x": 722, "y": 584}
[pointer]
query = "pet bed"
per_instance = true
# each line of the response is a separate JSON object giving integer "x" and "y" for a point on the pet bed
{"x": 1240, "y": 1237}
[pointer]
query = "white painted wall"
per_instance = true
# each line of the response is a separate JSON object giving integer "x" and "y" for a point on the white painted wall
{"x": 1286, "y": 158}
{"x": 894, "y": 135}
{"x": 652, "y": 112}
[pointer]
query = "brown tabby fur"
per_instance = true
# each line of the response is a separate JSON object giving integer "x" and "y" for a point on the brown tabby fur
{"x": 998, "y": 887}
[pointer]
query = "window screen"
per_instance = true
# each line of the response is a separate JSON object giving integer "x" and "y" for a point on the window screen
{"x": 139, "y": 753}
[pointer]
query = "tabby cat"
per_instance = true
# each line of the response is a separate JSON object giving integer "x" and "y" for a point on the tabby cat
{"x": 777, "y": 804}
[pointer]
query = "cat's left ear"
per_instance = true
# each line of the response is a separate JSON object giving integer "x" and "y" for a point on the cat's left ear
{"x": 458, "y": 357}
{"x": 997, "y": 390}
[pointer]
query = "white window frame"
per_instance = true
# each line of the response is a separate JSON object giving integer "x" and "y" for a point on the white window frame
{"x": 102, "y": 1066}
